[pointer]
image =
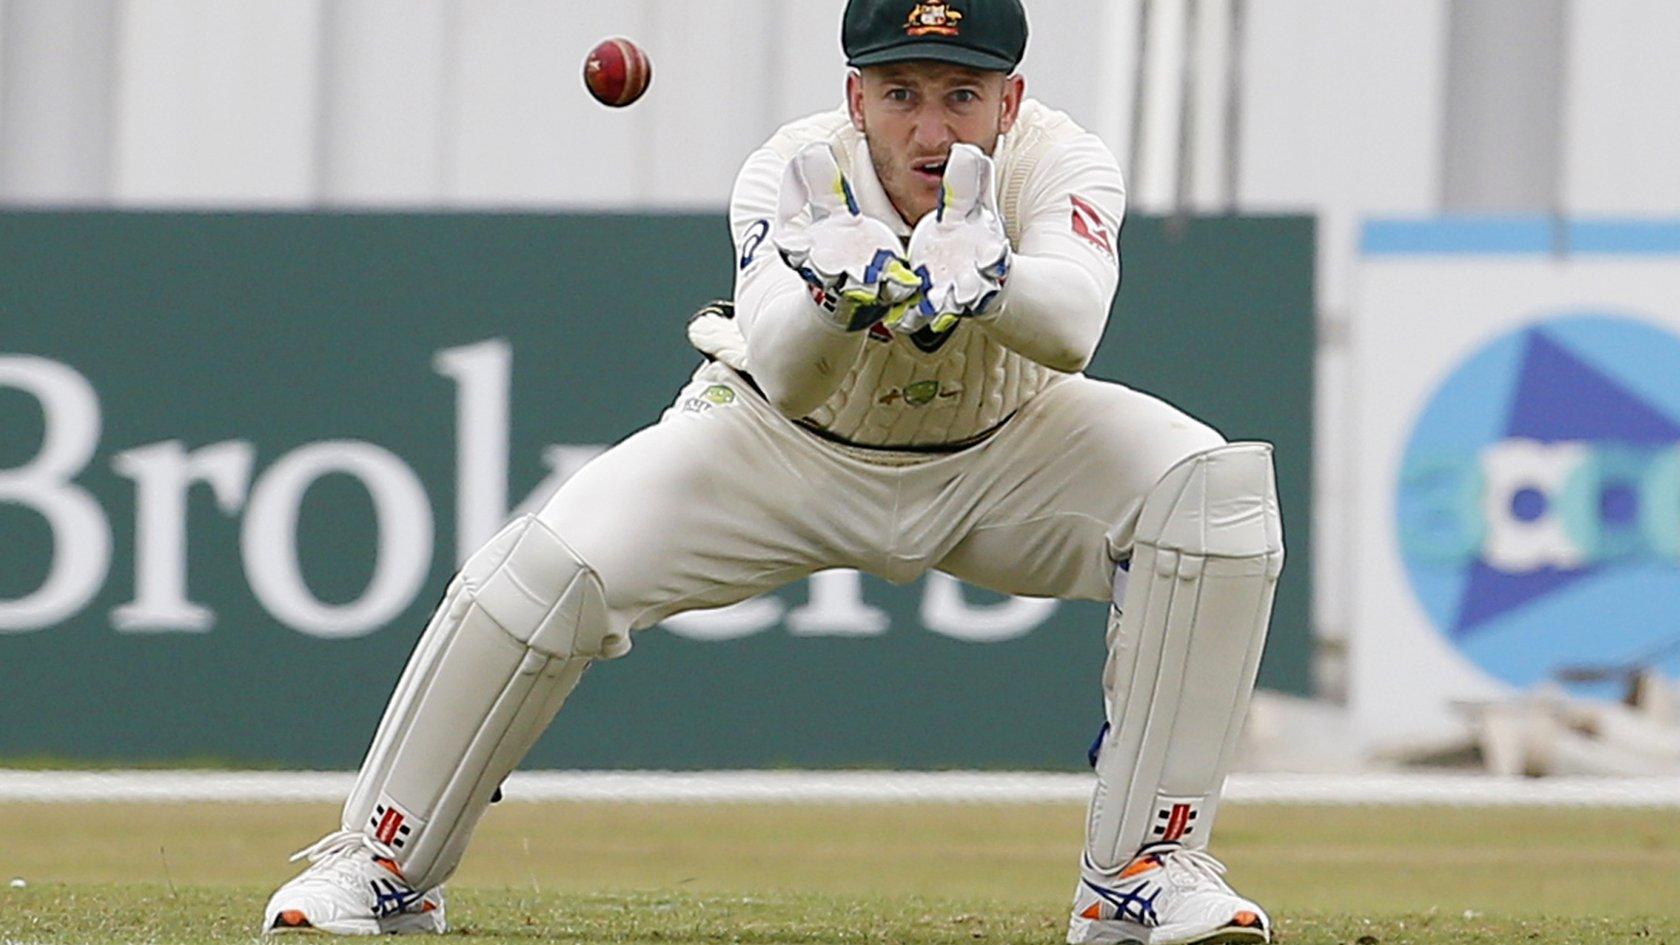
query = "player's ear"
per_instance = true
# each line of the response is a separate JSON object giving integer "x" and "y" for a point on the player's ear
{"x": 854, "y": 97}
{"x": 1014, "y": 90}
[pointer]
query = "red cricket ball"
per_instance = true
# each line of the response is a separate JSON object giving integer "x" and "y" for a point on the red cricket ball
{"x": 617, "y": 72}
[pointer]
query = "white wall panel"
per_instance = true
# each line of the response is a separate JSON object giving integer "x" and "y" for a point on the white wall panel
{"x": 217, "y": 102}
{"x": 714, "y": 106}
{"x": 55, "y": 144}
{"x": 805, "y": 59}
{"x": 1343, "y": 100}
{"x": 1107, "y": 75}
{"x": 1342, "y": 116}
{"x": 1209, "y": 153}
{"x": 524, "y": 130}
{"x": 386, "y": 70}
{"x": 1623, "y": 123}
{"x": 1065, "y": 58}
{"x": 479, "y": 102}
{"x": 1154, "y": 166}
{"x": 3, "y": 66}
{"x": 1502, "y": 112}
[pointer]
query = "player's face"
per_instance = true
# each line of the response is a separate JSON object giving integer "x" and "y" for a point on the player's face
{"x": 912, "y": 112}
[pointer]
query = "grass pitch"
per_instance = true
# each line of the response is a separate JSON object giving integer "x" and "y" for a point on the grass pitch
{"x": 906, "y": 875}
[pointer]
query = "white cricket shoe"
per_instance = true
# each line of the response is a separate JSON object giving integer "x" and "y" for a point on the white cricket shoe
{"x": 351, "y": 887}
{"x": 1166, "y": 895}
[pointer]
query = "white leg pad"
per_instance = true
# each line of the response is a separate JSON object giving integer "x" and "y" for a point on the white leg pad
{"x": 514, "y": 633}
{"x": 1184, "y": 649}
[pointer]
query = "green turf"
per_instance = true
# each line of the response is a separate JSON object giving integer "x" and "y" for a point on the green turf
{"x": 933, "y": 874}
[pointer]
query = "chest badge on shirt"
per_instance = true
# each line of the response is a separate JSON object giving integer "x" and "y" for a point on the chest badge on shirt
{"x": 935, "y": 18}
{"x": 919, "y": 394}
{"x": 1088, "y": 225}
{"x": 717, "y": 395}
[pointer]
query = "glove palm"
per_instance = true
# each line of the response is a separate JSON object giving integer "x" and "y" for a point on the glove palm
{"x": 852, "y": 262}
{"x": 960, "y": 251}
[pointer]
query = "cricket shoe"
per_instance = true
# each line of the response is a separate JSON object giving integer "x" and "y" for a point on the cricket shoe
{"x": 1166, "y": 895}
{"x": 352, "y": 887}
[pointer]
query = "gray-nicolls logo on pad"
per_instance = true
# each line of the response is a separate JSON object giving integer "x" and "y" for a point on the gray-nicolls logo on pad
{"x": 1175, "y": 817}
{"x": 391, "y": 824}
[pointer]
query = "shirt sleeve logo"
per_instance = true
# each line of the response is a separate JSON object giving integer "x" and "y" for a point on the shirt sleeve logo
{"x": 1088, "y": 225}
{"x": 756, "y": 235}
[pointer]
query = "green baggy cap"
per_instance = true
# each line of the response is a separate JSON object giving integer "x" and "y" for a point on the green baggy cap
{"x": 980, "y": 34}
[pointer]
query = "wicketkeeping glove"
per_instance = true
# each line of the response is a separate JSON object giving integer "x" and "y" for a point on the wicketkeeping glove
{"x": 960, "y": 251}
{"x": 852, "y": 262}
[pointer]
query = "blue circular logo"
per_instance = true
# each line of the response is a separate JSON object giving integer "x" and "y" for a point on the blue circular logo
{"x": 1539, "y": 504}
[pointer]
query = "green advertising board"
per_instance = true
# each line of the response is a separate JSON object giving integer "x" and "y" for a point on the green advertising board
{"x": 240, "y": 454}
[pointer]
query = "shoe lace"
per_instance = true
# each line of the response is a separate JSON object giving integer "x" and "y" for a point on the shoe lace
{"x": 338, "y": 847}
{"x": 1192, "y": 867}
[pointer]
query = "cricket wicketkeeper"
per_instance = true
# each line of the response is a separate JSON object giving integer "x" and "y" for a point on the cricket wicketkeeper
{"x": 896, "y": 388}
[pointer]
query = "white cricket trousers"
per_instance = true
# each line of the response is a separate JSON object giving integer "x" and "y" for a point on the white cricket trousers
{"x": 724, "y": 498}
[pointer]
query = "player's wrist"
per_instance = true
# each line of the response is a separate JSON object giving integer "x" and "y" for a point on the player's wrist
{"x": 995, "y": 308}
{"x": 836, "y": 312}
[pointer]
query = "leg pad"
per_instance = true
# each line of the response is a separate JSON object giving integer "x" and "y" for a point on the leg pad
{"x": 510, "y": 640}
{"x": 1184, "y": 648}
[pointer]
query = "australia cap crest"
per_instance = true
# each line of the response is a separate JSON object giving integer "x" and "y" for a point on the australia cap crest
{"x": 980, "y": 34}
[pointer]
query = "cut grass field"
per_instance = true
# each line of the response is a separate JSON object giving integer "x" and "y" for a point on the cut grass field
{"x": 670, "y": 875}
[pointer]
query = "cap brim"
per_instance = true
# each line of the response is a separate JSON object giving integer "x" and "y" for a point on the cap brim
{"x": 938, "y": 52}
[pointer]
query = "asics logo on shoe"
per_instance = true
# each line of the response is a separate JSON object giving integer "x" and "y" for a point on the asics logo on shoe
{"x": 391, "y": 897}
{"x": 1136, "y": 905}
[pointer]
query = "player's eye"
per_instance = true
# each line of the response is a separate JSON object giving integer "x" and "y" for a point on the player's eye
{"x": 899, "y": 95}
{"x": 965, "y": 96}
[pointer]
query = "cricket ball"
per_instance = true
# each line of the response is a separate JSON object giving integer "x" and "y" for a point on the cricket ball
{"x": 617, "y": 72}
